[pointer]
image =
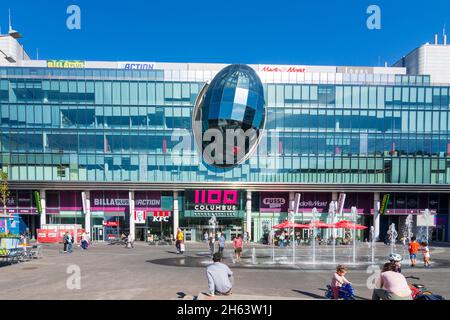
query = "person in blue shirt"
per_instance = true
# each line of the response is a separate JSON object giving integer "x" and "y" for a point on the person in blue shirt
{"x": 221, "y": 243}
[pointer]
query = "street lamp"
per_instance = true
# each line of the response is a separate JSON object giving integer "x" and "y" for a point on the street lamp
{"x": 8, "y": 58}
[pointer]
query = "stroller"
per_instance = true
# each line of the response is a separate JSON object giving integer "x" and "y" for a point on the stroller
{"x": 346, "y": 292}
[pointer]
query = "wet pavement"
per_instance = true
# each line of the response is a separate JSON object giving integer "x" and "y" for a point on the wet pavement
{"x": 157, "y": 272}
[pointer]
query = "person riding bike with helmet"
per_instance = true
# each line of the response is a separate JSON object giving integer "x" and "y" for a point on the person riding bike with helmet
{"x": 396, "y": 260}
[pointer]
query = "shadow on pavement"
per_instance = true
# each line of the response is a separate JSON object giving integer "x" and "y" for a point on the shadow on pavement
{"x": 357, "y": 297}
{"x": 310, "y": 294}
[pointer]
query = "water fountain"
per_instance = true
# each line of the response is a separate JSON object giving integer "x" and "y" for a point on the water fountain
{"x": 392, "y": 236}
{"x": 253, "y": 256}
{"x": 354, "y": 215}
{"x": 372, "y": 246}
{"x": 426, "y": 215}
{"x": 313, "y": 223}
{"x": 407, "y": 233}
{"x": 213, "y": 225}
{"x": 332, "y": 215}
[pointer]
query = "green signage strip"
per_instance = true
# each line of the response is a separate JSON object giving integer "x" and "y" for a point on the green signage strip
{"x": 37, "y": 199}
{"x": 384, "y": 203}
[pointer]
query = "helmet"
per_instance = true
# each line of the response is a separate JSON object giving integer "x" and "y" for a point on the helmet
{"x": 395, "y": 257}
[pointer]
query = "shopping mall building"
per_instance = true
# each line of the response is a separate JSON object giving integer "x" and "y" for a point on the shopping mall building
{"x": 98, "y": 143}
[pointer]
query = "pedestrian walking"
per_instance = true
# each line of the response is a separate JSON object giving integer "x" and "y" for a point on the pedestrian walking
{"x": 413, "y": 250}
{"x": 70, "y": 243}
{"x": 238, "y": 246}
{"x": 221, "y": 243}
{"x": 426, "y": 254}
{"x": 180, "y": 239}
{"x": 211, "y": 242}
{"x": 65, "y": 241}
{"x": 84, "y": 241}
{"x": 130, "y": 241}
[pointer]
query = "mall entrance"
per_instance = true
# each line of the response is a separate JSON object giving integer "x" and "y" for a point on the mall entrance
{"x": 195, "y": 228}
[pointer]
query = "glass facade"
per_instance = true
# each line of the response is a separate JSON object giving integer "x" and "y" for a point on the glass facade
{"x": 117, "y": 125}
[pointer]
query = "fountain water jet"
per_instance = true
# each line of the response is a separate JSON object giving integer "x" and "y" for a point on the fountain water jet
{"x": 372, "y": 241}
{"x": 392, "y": 236}
{"x": 253, "y": 256}
{"x": 313, "y": 222}
{"x": 354, "y": 213}
{"x": 332, "y": 215}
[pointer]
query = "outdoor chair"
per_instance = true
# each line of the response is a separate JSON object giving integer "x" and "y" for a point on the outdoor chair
{"x": 36, "y": 252}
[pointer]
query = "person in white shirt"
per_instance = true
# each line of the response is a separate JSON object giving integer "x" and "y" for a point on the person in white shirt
{"x": 426, "y": 254}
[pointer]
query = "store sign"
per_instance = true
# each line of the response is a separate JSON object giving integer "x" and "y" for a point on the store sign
{"x": 274, "y": 202}
{"x": 280, "y": 68}
{"x": 136, "y": 65}
{"x": 111, "y": 223}
{"x": 161, "y": 216}
{"x": 384, "y": 203}
{"x": 65, "y": 64}
{"x": 216, "y": 200}
{"x": 119, "y": 200}
{"x": 140, "y": 216}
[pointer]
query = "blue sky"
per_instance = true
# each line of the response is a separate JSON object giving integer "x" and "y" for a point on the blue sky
{"x": 315, "y": 32}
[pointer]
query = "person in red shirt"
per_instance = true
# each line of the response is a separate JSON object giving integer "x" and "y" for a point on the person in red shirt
{"x": 413, "y": 250}
{"x": 237, "y": 245}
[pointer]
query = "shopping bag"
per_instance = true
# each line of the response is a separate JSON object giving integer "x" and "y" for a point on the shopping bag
{"x": 182, "y": 247}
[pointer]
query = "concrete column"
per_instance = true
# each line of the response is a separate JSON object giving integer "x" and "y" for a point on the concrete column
{"x": 44, "y": 207}
{"x": 86, "y": 196}
{"x": 376, "y": 215}
{"x": 248, "y": 215}
{"x": 334, "y": 198}
{"x": 292, "y": 201}
{"x": 448, "y": 226}
{"x": 131, "y": 204}
{"x": 176, "y": 217}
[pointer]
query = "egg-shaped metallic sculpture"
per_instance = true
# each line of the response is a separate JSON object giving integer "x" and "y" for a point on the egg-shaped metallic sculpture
{"x": 229, "y": 116}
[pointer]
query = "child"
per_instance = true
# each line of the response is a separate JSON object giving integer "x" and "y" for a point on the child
{"x": 338, "y": 280}
{"x": 426, "y": 254}
{"x": 413, "y": 250}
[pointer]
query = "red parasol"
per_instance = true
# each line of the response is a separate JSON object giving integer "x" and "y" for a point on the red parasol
{"x": 286, "y": 225}
{"x": 319, "y": 225}
{"x": 345, "y": 224}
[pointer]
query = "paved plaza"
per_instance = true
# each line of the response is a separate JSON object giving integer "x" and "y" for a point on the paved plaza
{"x": 157, "y": 272}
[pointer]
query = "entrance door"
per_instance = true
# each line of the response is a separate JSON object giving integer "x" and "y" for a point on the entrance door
{"x": 439, "y": 233}
{"x": 98, "y": 233}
